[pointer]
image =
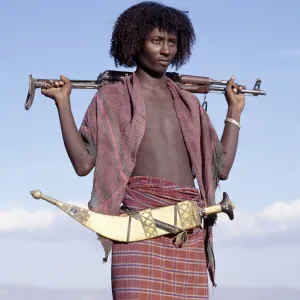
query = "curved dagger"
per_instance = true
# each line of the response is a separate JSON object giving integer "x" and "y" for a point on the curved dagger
{"x": 144, "y": 224}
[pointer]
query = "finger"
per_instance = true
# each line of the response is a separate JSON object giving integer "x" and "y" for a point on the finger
{"x": 61, "y": 83}
{"x": 230, "y": 82}
{"x": 64, "y": 79}
{"x": 50, "y": 83}
{"x": 50, "y": 93}
{"x": 234, "y": 87}
{"x": 47, "y": 92}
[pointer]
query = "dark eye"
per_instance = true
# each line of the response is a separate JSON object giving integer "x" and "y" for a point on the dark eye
{"x": 156, "y": 41}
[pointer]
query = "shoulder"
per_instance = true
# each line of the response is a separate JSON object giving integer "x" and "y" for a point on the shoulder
{"x": 111, "y": 90}
{"x": 111, "y": 94}
{"x": 195, "y": 102}
{"x": 190, "y": 97}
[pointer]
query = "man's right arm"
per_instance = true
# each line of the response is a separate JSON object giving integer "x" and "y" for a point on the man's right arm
{"x": 81, "y": 159}
{"x": 60, "y": 92}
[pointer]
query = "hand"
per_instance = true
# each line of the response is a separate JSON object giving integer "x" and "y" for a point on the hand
{"x": 58, "y": 90}
{"x": 233, "y": 98}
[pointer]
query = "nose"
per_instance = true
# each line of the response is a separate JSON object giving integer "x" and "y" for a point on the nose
{"x": 165, "y": 49}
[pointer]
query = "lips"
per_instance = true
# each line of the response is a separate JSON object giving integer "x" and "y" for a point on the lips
{"x": 164, "y": 62}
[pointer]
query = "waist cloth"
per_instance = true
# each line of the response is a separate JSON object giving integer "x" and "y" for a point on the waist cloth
{"x": 156, "y": 269}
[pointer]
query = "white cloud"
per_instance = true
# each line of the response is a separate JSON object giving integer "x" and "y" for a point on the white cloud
{"x": 22, "y": 219}
{"x": 39, "y": 224}
{"x": 283, "y": 211}
{"x": 276, "y": 221}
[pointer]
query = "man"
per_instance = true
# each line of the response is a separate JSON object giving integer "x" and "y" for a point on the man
{"x": 148, "y": 140}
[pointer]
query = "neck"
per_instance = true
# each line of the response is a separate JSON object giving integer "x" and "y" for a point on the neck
{"x": 150, "y": 80}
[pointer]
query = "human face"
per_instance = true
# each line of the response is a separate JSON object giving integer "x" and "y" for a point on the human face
{"x": 158, "y": 52}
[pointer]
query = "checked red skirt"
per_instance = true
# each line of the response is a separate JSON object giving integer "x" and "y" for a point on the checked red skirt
{"x": 156, "y": 269}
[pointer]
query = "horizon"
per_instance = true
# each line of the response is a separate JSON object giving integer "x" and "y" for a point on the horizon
{"x": 223, "y": 293}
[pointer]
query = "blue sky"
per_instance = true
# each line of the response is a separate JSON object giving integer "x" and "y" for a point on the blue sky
{"x": 247, "y": 39}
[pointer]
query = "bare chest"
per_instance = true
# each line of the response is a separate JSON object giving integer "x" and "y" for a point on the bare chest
{"x": 161, "y": 116}
{"x": 162, "y": 152}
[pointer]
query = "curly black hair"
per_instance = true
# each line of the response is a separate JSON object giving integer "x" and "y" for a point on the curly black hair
{"x": 135, "y": 23}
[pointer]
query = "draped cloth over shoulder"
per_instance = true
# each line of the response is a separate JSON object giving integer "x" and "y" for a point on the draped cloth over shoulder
{"x": 113, "y": 127}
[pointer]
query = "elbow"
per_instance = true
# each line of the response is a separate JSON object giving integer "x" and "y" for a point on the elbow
{"x": 84, "y": 170}
{"x": 224, "y": 176}
{"x": 81, "y": 173}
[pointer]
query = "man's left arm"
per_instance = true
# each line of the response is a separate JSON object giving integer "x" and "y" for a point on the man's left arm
{"x": 229, "y": 140}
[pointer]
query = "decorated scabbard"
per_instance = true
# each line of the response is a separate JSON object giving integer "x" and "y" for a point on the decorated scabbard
{"x": 144, "y": 224}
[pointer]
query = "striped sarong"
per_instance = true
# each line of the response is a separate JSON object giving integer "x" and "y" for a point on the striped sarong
{"x": 156, "y": 269}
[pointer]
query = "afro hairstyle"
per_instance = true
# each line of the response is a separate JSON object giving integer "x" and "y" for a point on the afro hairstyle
{"x": 135, "y": 23}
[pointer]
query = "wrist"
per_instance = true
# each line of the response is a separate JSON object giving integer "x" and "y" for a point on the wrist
{"x": 63, "y": 103}
{"x": 234, "y": 113}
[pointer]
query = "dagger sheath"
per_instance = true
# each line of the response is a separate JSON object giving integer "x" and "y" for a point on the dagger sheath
{"x": 145, "y": 224}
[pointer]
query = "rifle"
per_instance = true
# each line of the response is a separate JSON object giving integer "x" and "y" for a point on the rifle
{"x": 191, "y": 83}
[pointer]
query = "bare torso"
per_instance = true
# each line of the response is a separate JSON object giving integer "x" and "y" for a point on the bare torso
{"x": 162, "y": 152}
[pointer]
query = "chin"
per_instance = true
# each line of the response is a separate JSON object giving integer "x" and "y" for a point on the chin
{"x": 160, "y": 69}
{"x": 155, "y": 70}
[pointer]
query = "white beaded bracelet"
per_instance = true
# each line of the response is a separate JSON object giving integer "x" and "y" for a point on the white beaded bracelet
{"x": 233, "y": 121}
